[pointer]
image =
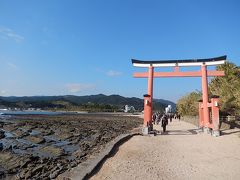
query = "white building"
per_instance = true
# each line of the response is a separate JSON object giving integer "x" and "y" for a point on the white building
{"x": 129, "y": 108}
{"x": 168, "y": 109}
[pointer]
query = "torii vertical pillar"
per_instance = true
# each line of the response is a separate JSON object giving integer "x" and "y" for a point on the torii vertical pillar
{"x": 150, "y": 92}
{"x": 147, "y": 115}
{"x": 205, "y": 97}
{"x": 148, "y": 98}
{"x": 200, "y": 114}
{"x": 215, "y": 116}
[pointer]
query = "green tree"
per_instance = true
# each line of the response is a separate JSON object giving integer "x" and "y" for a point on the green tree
{"x": 188, "y": 104}
{"x": 228, "y": 88}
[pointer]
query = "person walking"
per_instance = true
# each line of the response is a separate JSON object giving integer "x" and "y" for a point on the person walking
{"x": 158, "y": 119}
{"x": 170, "y": 117}
{"x": 154, "y": 118}
{"x": 164, "y": 122}
{"x": 179, "y": 117}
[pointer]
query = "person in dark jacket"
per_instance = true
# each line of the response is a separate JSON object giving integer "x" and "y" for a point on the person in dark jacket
{"x": 179, "y": 117}
{"x": 154, "y": 118}
{"x": 164, "y": 122}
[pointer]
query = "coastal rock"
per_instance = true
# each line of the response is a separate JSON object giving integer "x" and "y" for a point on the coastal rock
{"x": 52, "y": 151}
{"x": 35, "y": 139}
{"x": 64, "y": 136}
{"x": 1, "y": 146}
{"x": 55, "y": 143}
{"x": 43, "y": 132}
{"x": 2, "y": 134}
{"x": 10, "y": 162}
{"x": 22, "y": 174}
{"x": 37, "y": 169}
{"x": 25, "y": 162}
{"x": 28, "y": 174}
{"x": 20, "y": 133}
{"x": 9, "y": 127}
{"x": 54, "y": 174}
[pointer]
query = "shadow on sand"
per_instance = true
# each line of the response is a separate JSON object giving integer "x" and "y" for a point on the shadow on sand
{"x": 179, "y": 132}
{"x": 228, "y": 132}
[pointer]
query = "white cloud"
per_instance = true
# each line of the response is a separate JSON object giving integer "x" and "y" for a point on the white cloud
{"x": 8, "y": 33}
{"x": 3, "y": 92}
{"x": 12, "y": 66}
{"x": 113, "y": 73}
{"x": 79, "y": 87}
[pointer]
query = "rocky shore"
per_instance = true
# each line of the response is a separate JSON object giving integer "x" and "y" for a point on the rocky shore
{"x": 44, "y": 146}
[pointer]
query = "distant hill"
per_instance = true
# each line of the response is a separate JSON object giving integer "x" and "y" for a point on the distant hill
{"x": 163, "y": 101}
{"x": 50, "y": 101}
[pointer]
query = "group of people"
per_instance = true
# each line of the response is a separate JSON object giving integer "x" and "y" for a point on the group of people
{"x": 162, "y": 118}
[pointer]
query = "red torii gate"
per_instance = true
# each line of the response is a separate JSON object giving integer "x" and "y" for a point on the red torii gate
{"x": 204, "y": 118}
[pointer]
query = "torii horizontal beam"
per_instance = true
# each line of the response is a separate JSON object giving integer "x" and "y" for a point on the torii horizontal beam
{"x": 178, "y": 74}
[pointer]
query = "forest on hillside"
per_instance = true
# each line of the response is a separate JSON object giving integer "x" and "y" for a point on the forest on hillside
{"x": 227, "y": 87}
{"x": 91, "y": 103}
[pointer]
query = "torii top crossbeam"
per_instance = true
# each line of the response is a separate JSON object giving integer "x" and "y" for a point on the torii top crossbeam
{"x": 184, "y": 62}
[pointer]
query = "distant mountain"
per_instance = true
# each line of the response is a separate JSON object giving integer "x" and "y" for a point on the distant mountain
{"x": 167, "y": 102}
{"x": 115, "y": 100}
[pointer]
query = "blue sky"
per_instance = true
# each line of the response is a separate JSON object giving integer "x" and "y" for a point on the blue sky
{"x": 84, "y": 47}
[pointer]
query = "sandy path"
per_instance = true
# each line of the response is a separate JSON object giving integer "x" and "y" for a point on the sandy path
{"x": 181, "y": 154}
